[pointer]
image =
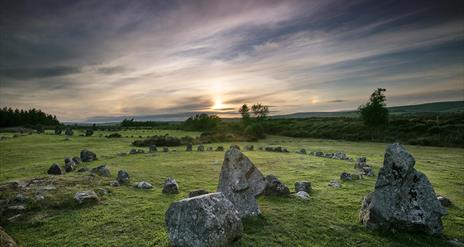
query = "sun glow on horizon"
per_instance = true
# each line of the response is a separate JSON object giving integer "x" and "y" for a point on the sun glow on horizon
{"x": 218, "y": 103}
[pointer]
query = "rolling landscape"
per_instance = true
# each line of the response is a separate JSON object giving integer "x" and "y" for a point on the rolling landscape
{"x": 231, "y": 123}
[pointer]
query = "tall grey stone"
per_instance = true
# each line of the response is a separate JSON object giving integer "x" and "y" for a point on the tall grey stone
{"x": 403, "y": 199}
{"x": 87, "y": 156}
{"x": 123, "y": 176}
{"x": 170, "y": 186}
{"x": 206, "y": 220}
{"x": 241, "y": 182}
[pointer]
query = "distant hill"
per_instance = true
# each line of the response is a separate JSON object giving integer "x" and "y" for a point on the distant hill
{"x": 436, "y": 107}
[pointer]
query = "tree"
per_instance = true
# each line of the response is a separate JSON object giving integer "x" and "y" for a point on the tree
{"x": 260, "y": 111}
{"x": 245, "y": 112}
{"x": 374, "y": 113}
{"x": 202, "y": 122}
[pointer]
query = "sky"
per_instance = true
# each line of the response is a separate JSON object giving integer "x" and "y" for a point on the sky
{"x": 100, "y": 60}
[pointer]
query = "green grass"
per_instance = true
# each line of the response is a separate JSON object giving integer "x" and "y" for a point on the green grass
{"x": 131, "y": 217}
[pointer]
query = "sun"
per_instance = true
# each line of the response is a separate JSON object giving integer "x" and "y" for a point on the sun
{"x": 218, "y": 103}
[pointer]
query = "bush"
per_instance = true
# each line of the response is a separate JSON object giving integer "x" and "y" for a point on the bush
{"x": 158, "y": 141}
{"x": 114, "y": 135}
{"x": 255, "y": 130}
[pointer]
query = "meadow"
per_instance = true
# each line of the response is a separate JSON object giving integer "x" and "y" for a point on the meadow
{"x": 132, "y": 217}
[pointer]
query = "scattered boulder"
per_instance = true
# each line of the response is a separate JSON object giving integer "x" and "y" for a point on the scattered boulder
{"x": 201, "y": 148}
{"x": 403, "y": 199}
{"x": 328, "y": 155}
{"x": 170, "y": 186}
{"x": 345, "y": 176}
{"x": 86, "y": 197}
{"x": 101, "y": 170}
{"x": 301, "y": 151}
{"x": 55, "y": 169}
{"x": 207, "y": 220}
{"x": 274, "y": 187}
{"x": 220, "y": 149}
{"x": 335, "y": 184}
{"x": 249, "y": 148}
{"x": 165, "y": 149}
{"x": 76, "y": 160}
{"x": 367, "y": 171}
{"x": 445, "y": 202}
{"x": 302, "y": 186}
{"x": 114, "y": 183}
{"x": 319, "y": 154}
{"x": 123, "y": 177}
{"x": 143, "y": 185}
{"x": 240, "y": 181}
{"x": 87, "y": 156}
{"x": 152, "y": 148}
{"x": 189, "y": 147}
{"x": 303, "y": 195}
{"x": 360, "y": 163}
{"x": 5, "y": 239}
{"x": 70, "y": 165}
{"x": 340, "y": 156}
{"x": 83, "y": 169}
{"x": 197, "y": 193}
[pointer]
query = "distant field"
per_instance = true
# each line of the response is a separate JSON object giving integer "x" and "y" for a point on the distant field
{"x": 130, "y": 217}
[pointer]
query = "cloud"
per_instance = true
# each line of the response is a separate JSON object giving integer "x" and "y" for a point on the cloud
{"x": 38, "y": 73}
{"x": 336, "y": 101}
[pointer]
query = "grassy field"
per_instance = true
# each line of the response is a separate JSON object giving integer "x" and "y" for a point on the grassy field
{"x": 131, "y": 217}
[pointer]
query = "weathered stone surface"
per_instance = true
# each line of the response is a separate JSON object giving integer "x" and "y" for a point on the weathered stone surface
{"x": 234, "y": 146}
{"x": 123, "y": 176}
{"x": 274, "y": 187}
{"x": 445, "y": 202}
{"x": 87, "y": 156}
{"x": 303, "y": 195}
{"x": 170, "y": 186}
{"x": 101, "y": 170}
{"x": 249, "y": 148}
{"x": 319, "y": 154}
{"x": 220, "y": 149}
{"x": 200, "y": 148}
{"x": 5, "y": 239}
{"x": 345, "y": 176}
{"x": 143, "y": 185}
{"x": 55, "y": 169}
{"x": 335, "y": 184}
{"x": 86, "y": 197}
{"x": 69, "y": 166}
{"x": 302, "y": 186}
{"x": 189, "y": 147}
{"x": 404, "y": 199}
{"x": 241, "y": 182}
{"x": 361, "y": 164}
{"x": 76, "y": 160}
{"x": 206, "y": 220}
{"x": 197, "y": 193}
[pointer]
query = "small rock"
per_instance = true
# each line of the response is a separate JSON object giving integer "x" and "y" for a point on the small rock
{"x": 103, "y": 191}
{"x": 302, "y": 186}
{"x": 301, "y": 151}
{"x": 201, "y": 148}
{"x": 143, "y": 185}
{"x": 445, "y": 202}
{"x": 170, "y": 186}
{"x": 220, "y": 149}
{"x": 114, "y": 183}
{"x": 123, "y": 176}
{"x": 55, "y": 170}
{"x": 345, "y": 176}
{"x": 69, "y": 166}
{"x": 275, "y": 187}
{"x": 87, "y": 156}
{"x": 101, "y": 170}
{"x": 165, "y": 149}
{"x": 319, "y": 154}
{"x": 86, "y": 197}
{"x": 197, "y": 193}
{"x": 76, "y": 160}
{"x": 152, "y": 148}
{"x": 335, "y": 184}
{"x": 303, "y": 195}
{"x": 189, "y": 147}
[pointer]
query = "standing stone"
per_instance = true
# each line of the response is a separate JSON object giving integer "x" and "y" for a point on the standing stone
{"x": 360, "y": 163}
{"x": 170, "y": 186}
{"x": 87, "y": 156}
{"x": 189, "y": 147}
{"x": 274, "y": 187}
{"x": 302, "y": 186}
{"x": 303, "y": 195}
{"x": 197, "y": 193}
{"x": 123, "y": 177}
{"x": 335, "y": 184}
{"x": 403, "y": 198}
{"x": 55, "y": 169}
{"x": 69, "y": 132}
{"x": 152, "y": 148}
{"x": 86, "y": 197}
{"x": 346, "y": 176}
{"x": 241, "y": 182}
{"x": 143, "y": 185}
{"x": 101, "y": 170}
{"x": 207, "y": 220}
{"x": 201, "y": 148}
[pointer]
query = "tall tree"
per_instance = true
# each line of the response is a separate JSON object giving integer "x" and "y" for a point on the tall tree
{"x": 374, "y": 113}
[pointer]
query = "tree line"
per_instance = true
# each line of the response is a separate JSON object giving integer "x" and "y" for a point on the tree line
{"x": 20, "y": 117}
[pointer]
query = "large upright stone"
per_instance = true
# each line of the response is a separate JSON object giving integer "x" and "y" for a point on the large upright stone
{"x": 241, "y": 182}
{"x": 206, "y": 220}
{"x": 404, "y": 199}
{"x": 55, "y": 169}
